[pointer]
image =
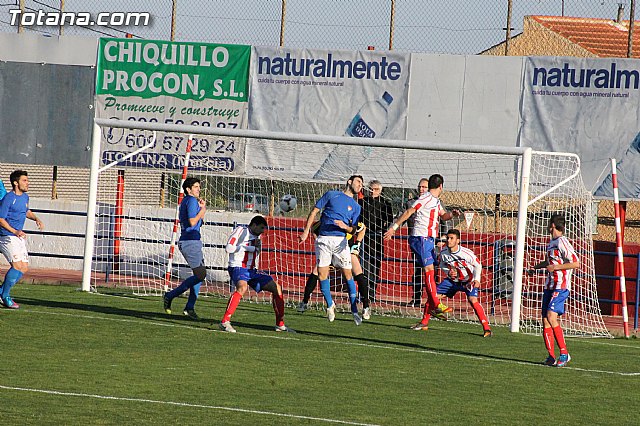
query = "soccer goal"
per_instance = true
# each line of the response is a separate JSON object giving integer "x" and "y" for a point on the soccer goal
{"x": 506, "y": 194}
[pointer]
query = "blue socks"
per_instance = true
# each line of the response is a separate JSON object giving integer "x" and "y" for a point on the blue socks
{"x": 189, "y": 283}
{"x": 10, "y": 279}
{"x": 193, "y": 296}
{"x": 351, "y": 285}
{"x": 325, "y": 288}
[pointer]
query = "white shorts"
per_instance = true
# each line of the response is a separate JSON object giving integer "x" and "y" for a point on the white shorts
{"x": 334, "y": 250}
{"x": 14, "y": 249}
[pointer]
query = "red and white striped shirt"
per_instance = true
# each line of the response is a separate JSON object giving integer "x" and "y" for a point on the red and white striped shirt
{"x": 242, "y": 248}
{"x": 464, "y": 261}
{"x": 559, "y": 252}
{"x": 428, "y": 211}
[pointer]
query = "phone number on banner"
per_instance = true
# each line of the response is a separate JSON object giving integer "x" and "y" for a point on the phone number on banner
{"x": 172, "y": 142}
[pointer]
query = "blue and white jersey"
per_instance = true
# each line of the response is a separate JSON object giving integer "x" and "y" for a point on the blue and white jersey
{"x": 464, "y": 263}
{"x": 189, "y": 208}
{"x": 336, "y": 205}
{"x": 241, "y": 248}
{"x": 14, "y": 208}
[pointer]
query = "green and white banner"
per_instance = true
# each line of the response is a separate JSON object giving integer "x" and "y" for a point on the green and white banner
{"x": 199, "y": 84}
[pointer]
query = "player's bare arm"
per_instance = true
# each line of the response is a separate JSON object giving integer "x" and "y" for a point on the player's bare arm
{"x": 310, "y": 219}
{"x": 31, "y": 215}
{"x": 5, "y": 225}
{"x": 398, "y": 223}
{"x": 340, "y": 224}
{"x": 563, "y": 266}
{"x": 448, "y": 215}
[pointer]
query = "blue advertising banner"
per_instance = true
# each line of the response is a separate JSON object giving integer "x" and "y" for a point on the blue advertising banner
{"x": 590, "y": 107}
{"x": 343, "y": 93}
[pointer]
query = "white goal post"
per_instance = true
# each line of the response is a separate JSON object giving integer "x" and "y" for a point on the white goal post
{"x": 507, "y": 193}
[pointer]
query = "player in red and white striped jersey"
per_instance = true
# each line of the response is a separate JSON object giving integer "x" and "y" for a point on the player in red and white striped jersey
{"x": 463, "y": 271}
{"x": 428, "y": 212}
{"x": 560, "y": 261}
{"x": 244, "y": 247}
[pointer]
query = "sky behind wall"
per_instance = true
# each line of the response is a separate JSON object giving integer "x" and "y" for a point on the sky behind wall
{"x": 434, "y": 26}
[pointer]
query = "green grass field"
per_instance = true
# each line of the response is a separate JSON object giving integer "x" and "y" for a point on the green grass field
{"x": 70, "y": 357}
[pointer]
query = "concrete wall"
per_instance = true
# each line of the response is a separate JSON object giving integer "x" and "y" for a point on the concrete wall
{"x": 65, "y": 225}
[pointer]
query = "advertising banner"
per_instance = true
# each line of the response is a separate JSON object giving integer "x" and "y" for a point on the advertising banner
{"x": 343, "y": 93}
{"x": 590, "y": 107}
{"x": 197, "y": 84}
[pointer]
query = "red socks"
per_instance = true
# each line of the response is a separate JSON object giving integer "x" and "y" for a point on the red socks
{"x": 430, "y": 282}
{"x": 477, "y": 308}
{"x": 234, "y": 300}
{"x": 559, "y": 335}
{"x": 278, "y": 307}
{"x": 547, "y": 335}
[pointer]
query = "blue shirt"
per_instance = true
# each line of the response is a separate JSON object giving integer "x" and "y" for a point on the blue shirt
{"x": 189, "y": 208}
{"x": 13, "y": 208}
{"x": 337, "y": 206}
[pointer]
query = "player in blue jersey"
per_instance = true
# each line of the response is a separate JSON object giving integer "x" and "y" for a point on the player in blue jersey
{"x": 340, "y": 213}
{"x": 3, "y": 190}
{"x": 192, "y": 211}
{"x": 14, "y": 209}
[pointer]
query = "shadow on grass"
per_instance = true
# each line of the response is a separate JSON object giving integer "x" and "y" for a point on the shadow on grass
{"x": 212, "y": 324}
{"x": 109, "y": 310}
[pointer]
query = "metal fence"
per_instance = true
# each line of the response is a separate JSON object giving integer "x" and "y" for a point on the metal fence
{"x": 433, "y": 26}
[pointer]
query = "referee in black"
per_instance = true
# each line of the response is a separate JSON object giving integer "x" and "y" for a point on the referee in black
{"x": 377, "y": 215}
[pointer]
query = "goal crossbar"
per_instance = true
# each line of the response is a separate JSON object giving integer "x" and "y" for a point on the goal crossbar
{"x": 522, "y": 169}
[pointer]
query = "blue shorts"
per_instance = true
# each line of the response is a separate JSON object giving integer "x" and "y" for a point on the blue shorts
{"x": 450, "y": 288}
{"x": 424, "y": 249}
{"x": 192, "y": 252}
{"x": 255, "y": 279}
{"x": 553, "y": 300}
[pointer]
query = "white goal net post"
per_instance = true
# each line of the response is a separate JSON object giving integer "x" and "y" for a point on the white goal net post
{"x": 507, "y": 195}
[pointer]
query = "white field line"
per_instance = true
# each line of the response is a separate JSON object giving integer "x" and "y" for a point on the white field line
{"x": 288, "y": 336}
{"x": 182, "y": 404}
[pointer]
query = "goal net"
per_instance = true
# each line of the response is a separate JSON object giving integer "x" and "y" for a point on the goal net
{"x": 135, "y": 209}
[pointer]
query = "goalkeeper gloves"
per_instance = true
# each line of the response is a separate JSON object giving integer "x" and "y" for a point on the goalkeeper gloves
{"x": 355, "y": 249}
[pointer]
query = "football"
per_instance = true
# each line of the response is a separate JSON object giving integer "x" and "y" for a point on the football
{"x": 288, "y": 203}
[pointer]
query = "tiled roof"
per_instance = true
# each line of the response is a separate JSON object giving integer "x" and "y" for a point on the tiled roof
{"x": 602, "y": 37}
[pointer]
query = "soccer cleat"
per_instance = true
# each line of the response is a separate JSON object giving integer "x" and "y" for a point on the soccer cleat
{"x": 437, "y": 314}
{"x": 302, "y": 307}
{"x": 226, "y": 326}
{"x": 331, "y": 312}
{"x": 550, "y": 361}
{"x": 284, "y": 328}
{"x": 9, "y": 303}
{"x": 487, "y": 333}
{"x": 191, "y": 314}
{"x": 167, "y": 303}
{"x": 420, "y": 326}
{"x": 357, "y": 319}
{"x": 444, "y": 308}
{"x": 563, "y": 360}
{"x": 366, "y": 314}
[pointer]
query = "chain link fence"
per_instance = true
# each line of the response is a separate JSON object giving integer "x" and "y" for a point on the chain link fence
{"x": 433, "y": 26}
